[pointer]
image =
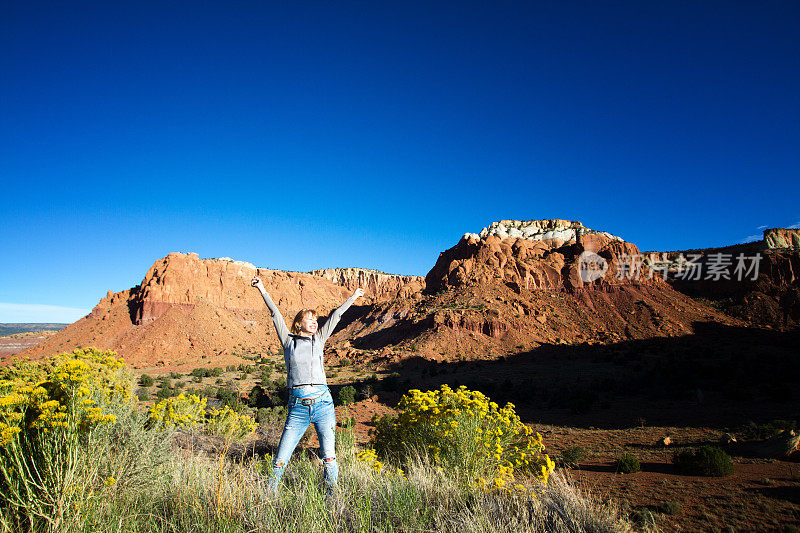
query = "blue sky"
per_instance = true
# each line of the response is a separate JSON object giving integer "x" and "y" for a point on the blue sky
{"x": 300, "y": 135}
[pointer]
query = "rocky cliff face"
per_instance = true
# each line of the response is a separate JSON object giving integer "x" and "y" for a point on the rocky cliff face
{"x": 376, "y": 284}
{"x": 510, "y": 288}
{"x": 553, "y": 232}
{"x": 761, "y": 293}
{"x": 187, "y": 308}
{"x": 185, "y": 280}
{"x": 785, "y": 238}
{"x": 533, "y": 255}
{"x": 495, "y": 292}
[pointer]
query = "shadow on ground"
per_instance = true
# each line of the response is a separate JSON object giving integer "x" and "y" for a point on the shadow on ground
{"x": 720, "y": 376}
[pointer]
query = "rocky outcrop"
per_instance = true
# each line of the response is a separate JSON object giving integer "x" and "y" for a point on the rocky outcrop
{"x": 553, "y": 232}
{"x": 536, "y": 255}
{"x": 187, "y": 309}
{"x": 751, "y": 281}
{"x": 185, "y": 279}
{"x": 782, "y": 238}
{"x": 376, "y": 284}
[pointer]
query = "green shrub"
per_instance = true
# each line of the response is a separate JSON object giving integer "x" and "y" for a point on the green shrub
{"x": 573, "y": 455}
{"x": 345, "y": 362}
{"x": 268, "y": 415}
{"x": 228, "y": 398}
{"x": 146, "y": 380}
{"x": 163, "y": 393}
{"x": 143, "y": 394}
{"x": 257, "y": 397}
{"x": 347, "y": 395}
{"x": 200, "y": 372}
{"x": 771, "y": 428}
{"x": 628, "y": 464}
{"x": 704, "y": 461}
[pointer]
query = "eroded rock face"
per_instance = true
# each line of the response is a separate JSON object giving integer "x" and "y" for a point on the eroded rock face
{"x": 185, "y": 279}
{"x": 191, "y": 311}
{"x": 376, "y": 284}
{"x": 488, "y": 295}
{"x": 754, "y": 293}
{"x": 553, "y": 232}
{"x": 547, "y": 255}
{"x": 782, "y": 238}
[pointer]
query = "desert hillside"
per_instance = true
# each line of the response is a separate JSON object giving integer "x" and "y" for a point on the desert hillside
{"x": 189, "y": 311}
{"x": 512, "y": 287}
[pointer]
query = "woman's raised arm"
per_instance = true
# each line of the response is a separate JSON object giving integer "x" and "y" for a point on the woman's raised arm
{"x": 277, "y": 318}
{"x": 326, "y": 330}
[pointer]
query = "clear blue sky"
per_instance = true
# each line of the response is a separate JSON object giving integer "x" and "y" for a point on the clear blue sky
{"x": 300, "y": 135}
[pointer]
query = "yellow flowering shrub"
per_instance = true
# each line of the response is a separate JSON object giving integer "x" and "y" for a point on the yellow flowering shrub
{"x": 468, "y": 435}
{"x": 180, "y": 411}
{"x": 71, "y": 391}
{"x": 229, "y": 424}
{"x": 189, "y": 411}
{"x": 49, "y": 411}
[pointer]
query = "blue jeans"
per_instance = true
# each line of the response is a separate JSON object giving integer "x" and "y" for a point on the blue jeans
{"x": 320, "y": 413}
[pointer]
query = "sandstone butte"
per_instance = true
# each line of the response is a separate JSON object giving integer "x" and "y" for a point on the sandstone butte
{"x": 510, "y": 288}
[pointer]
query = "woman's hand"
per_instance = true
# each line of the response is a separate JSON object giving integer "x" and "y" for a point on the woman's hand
{"x": 358, "y": 293}
{"x": 256, "y": 282}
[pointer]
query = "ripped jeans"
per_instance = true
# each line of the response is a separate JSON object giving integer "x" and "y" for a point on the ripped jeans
{"x": 321, "y": 413}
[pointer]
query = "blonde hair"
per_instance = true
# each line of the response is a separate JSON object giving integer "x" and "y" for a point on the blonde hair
{"x": 300, "y": 316}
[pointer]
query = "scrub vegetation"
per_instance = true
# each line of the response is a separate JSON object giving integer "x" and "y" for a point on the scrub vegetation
{"x": 77, "y": 454}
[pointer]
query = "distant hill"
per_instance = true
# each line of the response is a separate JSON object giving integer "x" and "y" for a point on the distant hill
{"x": 10, "y": 329}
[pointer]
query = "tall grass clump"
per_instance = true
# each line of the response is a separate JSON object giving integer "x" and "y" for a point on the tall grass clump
{"x": 423, "y": 498}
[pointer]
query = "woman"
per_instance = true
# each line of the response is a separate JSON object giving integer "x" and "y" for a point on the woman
{"x": 310, "y": 400}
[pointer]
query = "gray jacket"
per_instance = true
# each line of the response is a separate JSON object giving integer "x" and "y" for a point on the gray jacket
{"x": 304, "y": 355}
